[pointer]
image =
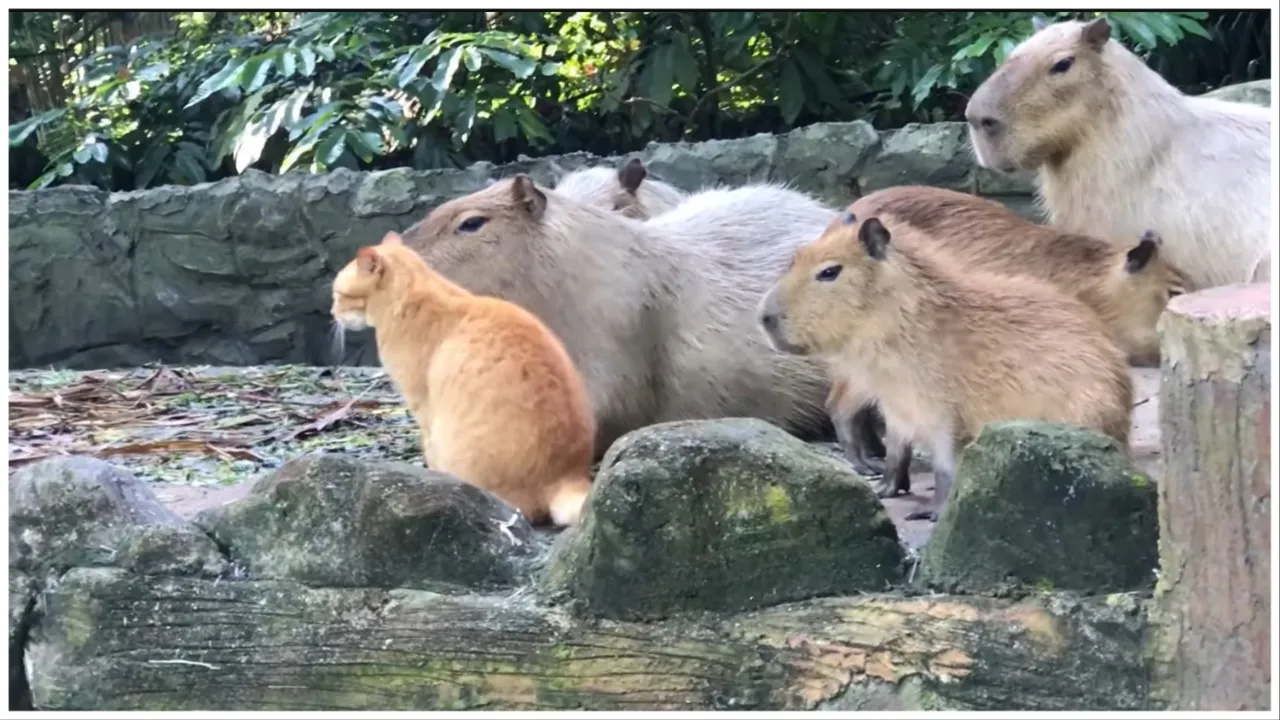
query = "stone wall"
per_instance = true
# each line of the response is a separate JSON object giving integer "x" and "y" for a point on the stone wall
{"x": 237, "y": 272}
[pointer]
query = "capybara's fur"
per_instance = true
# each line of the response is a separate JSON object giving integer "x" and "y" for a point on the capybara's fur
{"x": 1127, "y": 282}
{"x": 1119, "y": 151}
{"x": 658, "y": 315}
{"x": 624, "y": 190}
{"x": 498, "y": 400}
{"x": 945, "y": 350}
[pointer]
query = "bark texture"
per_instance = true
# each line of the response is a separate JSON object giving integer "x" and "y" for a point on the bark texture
{"x": 109, "y": 639}
{"x": 1212, "y": 643}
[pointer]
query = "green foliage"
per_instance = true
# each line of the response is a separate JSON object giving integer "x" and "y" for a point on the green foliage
{"x": 319, "y": 90}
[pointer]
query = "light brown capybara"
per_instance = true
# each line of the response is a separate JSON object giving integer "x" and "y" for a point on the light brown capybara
{"x": 1119, "y": 151}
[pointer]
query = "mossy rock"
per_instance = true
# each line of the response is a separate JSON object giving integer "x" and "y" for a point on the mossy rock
{"x": 722, "y": 515}
{"x": 330, "y": 520}
{"x": 78, "y": 511}
{"x": 1047, "y": 506}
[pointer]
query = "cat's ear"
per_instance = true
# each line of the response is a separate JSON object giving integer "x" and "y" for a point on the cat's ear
{"x": 392, "y": 238}
{"x": 528, "y": 196}
{"x": 368, "y": 260}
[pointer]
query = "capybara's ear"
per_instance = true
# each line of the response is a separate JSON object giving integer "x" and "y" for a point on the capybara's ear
{"x": 1096, "y": 33}
{"x": 392, "y": 238}
{"x": 874, "y": 237}
{"x": 524, "y": 192}
{"x": 1039, "y": 22}
{"x": 1141, "y": 254}
{"x": 631, "y": 175}
{"x": 368, "y": 260}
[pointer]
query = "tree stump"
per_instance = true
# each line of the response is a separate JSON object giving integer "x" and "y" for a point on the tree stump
{"x": 1212, "y": 611}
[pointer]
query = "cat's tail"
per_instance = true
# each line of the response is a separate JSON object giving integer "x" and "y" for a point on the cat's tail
{"x": 567, "y": 500}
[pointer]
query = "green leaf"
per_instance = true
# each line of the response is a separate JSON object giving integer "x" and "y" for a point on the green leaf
{"x": 465, "y": 120}
{"x": 327, "y": 52}
{"x": 683, "y": 64}
{"x": 446, "y": 68}
{"x": 43, "y": 180}
{"x": 294, "y": 155}
{"x": 256, "y": 72}
{"x": 81, "y": 155}
{"x": 521, "y": 67}
{"x": 504, "y": 124}
{"x": 99, "y": 151}
{"x": 190, "y": 167}
{"x": 1136, "y": 28}
{"x": 530, "y": 124}
{"x": 330, "y": 148}
{"x": 925, "y": 85}
{"x": 1006, "y": 46}
{"x": 20, "y": 131}
{"x": 472, "y": 58}
{"x": 220, "y": 80}
{"x": 412, "y": 66}
{"x": 150, "y": 164}
{"x": 65, "y": 169}
{"x": 976, "y": 49}
{"x": 551, "y": 68}
{"x": 236, "y": 125}
{"x": 249, "y": 144}
{"x": 1187, "y": 21}
{"x": 657, "y": 76}
{"x": 288, "y": 63}
{"x": 790, "y": 92}
{"x": 365, "y": 144}
{"x": 152, "y": 72}
{"x": 308, "y": 61}
{"x": 293, "y": 107}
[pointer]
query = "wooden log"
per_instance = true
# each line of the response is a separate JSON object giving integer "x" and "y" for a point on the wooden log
{"x": 1212, "y": 640}
{"x": 109, "y": 639}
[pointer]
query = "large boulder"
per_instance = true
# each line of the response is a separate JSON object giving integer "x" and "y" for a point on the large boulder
{"x": 77, "y": 511}
{"x": 326, "y": 519}
{"x": 1044, "y": 505}
{"x": 722, "y": 515}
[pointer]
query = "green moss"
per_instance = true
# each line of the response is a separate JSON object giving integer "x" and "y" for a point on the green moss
{"x": 1140, "y": 480}
{"x": 779, "y": 504}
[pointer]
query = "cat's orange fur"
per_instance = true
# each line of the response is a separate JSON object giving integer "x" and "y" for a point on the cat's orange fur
{"x": 498, "y": 400}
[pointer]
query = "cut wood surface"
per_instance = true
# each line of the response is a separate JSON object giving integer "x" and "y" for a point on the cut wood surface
{"x": 1213, "y": 606}
{"x": 108, "y": 639}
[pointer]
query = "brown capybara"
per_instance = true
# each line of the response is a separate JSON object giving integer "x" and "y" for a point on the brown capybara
{"x": 944, "y": 350}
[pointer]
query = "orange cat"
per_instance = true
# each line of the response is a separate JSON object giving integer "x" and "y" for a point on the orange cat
{"x": 499, "y": 402}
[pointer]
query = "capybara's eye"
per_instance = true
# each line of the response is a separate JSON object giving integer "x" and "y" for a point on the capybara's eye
{"x": 850, "y": 218}
{"x": 829, "y": 273}
{"x": 1062, "y": 66}
{"x": 472, "y": 224}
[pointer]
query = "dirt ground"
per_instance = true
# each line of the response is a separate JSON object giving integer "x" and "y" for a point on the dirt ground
{"x": 156, "y": 423}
